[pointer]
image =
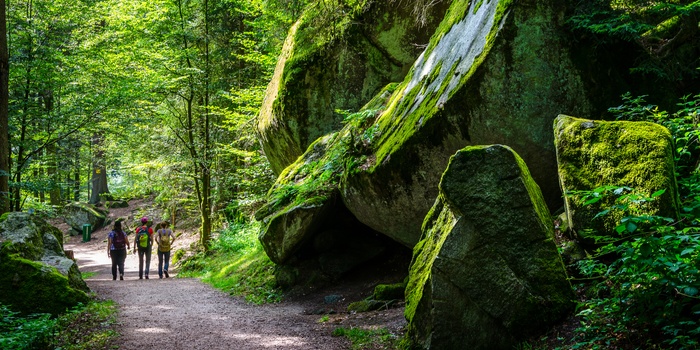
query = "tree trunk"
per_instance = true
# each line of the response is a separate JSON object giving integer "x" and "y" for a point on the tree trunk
{"x": 99, "y": 170}
{"x": 4, "y": 115}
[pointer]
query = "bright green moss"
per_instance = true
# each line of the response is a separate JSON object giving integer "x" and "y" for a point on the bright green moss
{"x": 32, "y": 287}
{"x": 593, "y": 154}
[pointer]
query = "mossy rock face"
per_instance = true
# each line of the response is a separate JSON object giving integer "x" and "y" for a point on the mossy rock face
{"x": 37, "y": 276}
{"x": 487, "y": 272}
{"x": 494, "y": 72}
{"x": 592, "y": 154}
{"x": 77, "y": 214}
{"x": 300, "y": 201}
{"x": 330, "y": 64}
{"x": 389, "y": 291}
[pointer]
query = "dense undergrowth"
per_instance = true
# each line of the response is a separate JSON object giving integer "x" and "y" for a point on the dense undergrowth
{"x": 640, "y": 289}
{"x": 85, "y": 327}
{"x": 236, "y": 264}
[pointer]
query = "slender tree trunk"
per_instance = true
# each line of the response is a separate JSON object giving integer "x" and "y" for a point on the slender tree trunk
{"x": 99, "y": 170}
{"x": 205, "y": 206}
{"x": 4, "y": 114}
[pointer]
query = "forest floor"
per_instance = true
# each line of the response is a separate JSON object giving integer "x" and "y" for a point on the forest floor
{"x": 184, "y": 313}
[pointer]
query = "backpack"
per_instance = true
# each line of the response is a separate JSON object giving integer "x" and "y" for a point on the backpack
{"x": 164, "y": 236}
{"x": 118, "y": 240}
{"x": 142, "y": 237}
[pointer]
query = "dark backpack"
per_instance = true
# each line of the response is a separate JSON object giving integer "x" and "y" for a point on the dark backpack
{"x": 119, "y": 240}
{"x": 142, "y": 237}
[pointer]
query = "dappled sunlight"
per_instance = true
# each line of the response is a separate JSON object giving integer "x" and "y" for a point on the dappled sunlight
{"x": 270, "y": 341}
{"x": 153, "y": 330}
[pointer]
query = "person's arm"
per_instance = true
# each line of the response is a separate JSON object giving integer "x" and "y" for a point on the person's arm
{"x": 109, "y": 246}
{"x": 126, "y": 237}
{"x": 158, "y": 237}
{"x": 150, "y": 235}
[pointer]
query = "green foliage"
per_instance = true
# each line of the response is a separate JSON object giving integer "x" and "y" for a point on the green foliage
{"x": 646, "y": 285}
{"x": 237, "y": 265}
{"x": 87, "y": 327}
{"x": 361, "y": 338}
{"x": 30, "y": 332}
{"x": 664, "y": 30}
{"x": 84, "y": 327}
{"x": 648, "y": 282}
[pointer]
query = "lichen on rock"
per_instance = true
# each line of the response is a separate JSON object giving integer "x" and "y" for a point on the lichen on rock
{"x": 37, "y": 276}
{"x": 592, "y": 154}
{"x": 486, "y": 272}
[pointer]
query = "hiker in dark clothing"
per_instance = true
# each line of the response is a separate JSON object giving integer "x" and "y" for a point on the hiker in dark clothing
{"x": 144, "y": 243}
{"x": 117, "y": 243}
{"x": 165, "y": 239}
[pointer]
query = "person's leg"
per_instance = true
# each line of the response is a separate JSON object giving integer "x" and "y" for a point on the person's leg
{"x": 148, "y": 262}
{"x": 160, "y": 264}
{"x": 166, "y": 257}
{"x": 120, "y": 263}
{"x": 141, "y": 253}
{"x": 115, "y": 259}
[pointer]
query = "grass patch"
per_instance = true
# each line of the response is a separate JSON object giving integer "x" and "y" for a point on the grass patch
{"x": 88, "y": 327}
{"x": 361, "y": 338}
{"x": 85, "y": 327}
{"x": 87, "y": 275}
{"x": 237, "y": 264}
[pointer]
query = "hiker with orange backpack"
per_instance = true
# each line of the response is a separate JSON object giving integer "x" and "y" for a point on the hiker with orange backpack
{"x": 117, "y": 243}
{"x": 165, "y": 239}
{"x": 144, "y": 242}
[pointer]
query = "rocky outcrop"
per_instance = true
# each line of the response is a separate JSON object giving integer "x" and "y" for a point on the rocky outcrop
{"x": 36, "y": 275}
{"x": 494, "y": 72}
{"x": 487, "y": 271}
{"x": 335, "y": 58}
{"x": 77, "y": 214}
{"x": 592, "y": 154}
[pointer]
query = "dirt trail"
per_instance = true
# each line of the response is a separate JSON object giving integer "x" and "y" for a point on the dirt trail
{"x": 183, "y": 313}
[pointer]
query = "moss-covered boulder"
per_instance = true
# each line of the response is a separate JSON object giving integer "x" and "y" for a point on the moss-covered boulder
{"x": 36, "y": 274}
{"x": 487, "y": 272}
{"x": 77, "y": 214}
{"x": 301, "y": 200}
{"x": 335, "y": 58}
{"x": 593, "y": 154}
{"x": 494, "y": 72}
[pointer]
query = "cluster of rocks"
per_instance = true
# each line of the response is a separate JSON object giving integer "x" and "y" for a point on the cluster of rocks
{"x": 37, "y": 276}
{"x": 425, "y": 162}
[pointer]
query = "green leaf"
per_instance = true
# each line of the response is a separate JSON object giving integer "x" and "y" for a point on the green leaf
{"x": 658, "y": 193}
{"x": 687, "y": 251}
{"x": 692, "y": 291}
{"x": 631, "y": 227}
{"x": 592, "y": 200}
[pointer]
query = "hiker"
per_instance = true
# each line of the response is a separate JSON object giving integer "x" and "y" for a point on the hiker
{"x": 117, "y": 243}
{"x": 165, "y": 239}
{"x": 144, "y": 241}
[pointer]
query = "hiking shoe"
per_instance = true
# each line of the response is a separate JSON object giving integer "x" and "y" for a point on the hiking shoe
{"x": 161, "y": 277}
{"x": 114, "y": 278}
{"x": 166, "y": 274}
{"x": 121, "y": 277}
{"x": 146, "y": 276}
